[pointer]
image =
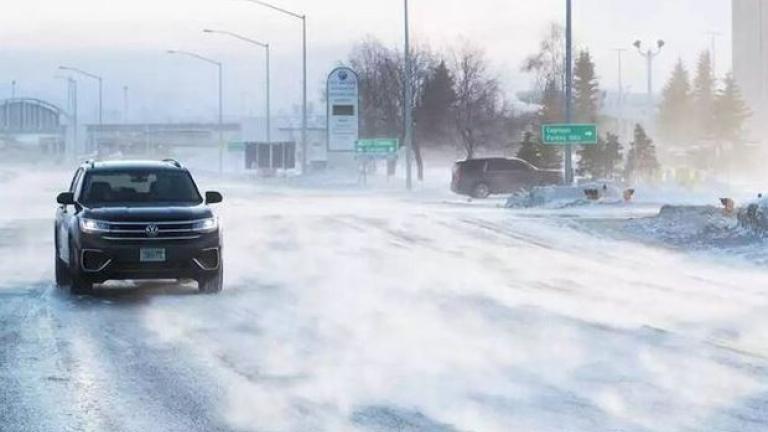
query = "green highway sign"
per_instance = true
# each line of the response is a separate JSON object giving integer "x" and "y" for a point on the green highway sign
{"x": 377, "y": 146}
{"x": 565, "y": 134}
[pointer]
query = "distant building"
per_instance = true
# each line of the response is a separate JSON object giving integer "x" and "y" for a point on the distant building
{"x": 750, "y": 58}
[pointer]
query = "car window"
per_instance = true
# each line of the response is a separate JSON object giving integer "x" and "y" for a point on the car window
{"x": 139, "y": 187}
{"x": 506, "y": 165}
{"x": 472, "y": 165}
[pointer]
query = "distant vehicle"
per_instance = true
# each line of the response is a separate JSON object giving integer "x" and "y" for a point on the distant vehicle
{"x": 481, "y": 178}
{"x": 136, "y": 220}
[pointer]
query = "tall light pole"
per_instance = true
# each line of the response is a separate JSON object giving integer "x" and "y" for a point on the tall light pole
{"x": 568, "y": 87}
{"x": 649, "y": 55}
{"x": 13, "y": 89}
{"x": 221, "y": 99}
{"x": 713, "y": 40}
{"x": 408, "y": 114}
{"x": 99, "y": 79}
{"x": 303, "y": 19}
{"x": 619, "y": 52}
{"x": 72, "y": 102}
{"x": 267, "y": 49}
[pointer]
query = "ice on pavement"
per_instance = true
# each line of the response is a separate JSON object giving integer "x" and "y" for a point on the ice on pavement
{"x": 352, "y": 311}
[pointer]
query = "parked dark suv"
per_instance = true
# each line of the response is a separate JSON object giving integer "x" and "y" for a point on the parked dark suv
{"x": 136, "y": 220}
{"x": 480, "y": 178}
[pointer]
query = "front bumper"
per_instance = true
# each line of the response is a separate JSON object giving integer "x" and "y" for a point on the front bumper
{"x": 100, "y": 260}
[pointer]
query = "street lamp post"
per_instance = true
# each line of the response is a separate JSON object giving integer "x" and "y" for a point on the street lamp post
{"x": 649, "y": 56}
{"x": 267, "y": 49}
{"x": 619, "y": 52}
{"x": 408, "y": 114}
{"x": 568, "y": 87}
{"x": 221, "y": 99}
{"x": 72, "y": 106}
{"x": 99, "y": 79}
{"x": 303, "y": 19}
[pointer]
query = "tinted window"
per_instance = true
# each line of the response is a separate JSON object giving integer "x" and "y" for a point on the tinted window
{"x": 139, "y": 188}
{"x": 507, "y": 165}
{"x": 472, "y": 165}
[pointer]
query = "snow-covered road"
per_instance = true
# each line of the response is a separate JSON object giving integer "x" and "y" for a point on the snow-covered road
{"x": 355, "y": 311}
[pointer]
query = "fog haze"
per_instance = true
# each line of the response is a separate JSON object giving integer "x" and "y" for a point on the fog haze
{"x": 125, "y": 42}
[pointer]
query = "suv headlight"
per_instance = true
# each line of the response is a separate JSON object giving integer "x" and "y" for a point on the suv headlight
{"x": 93, "y": 226}
{"x": 206, "y": 225}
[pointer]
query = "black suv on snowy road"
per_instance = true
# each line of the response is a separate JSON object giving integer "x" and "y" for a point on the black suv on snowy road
{"x": 136, "y": 221}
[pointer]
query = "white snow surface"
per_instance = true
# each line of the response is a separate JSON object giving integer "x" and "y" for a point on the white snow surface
{"x": 358, "y": 310}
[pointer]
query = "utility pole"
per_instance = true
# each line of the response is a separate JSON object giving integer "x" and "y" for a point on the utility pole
{"x": 568, "y": 87}
{"x": 13, "y": 89}
{"x": 408, "y": 114}
{"x": 713, "y": 40}
{"x": 619, "y": 52}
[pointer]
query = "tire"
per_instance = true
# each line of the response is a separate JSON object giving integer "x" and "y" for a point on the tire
{"x": 77, "y": 284}
{"x": 61, "y": 270}
{"x": 212, "y": 284}
{"x": 481, "y": 191}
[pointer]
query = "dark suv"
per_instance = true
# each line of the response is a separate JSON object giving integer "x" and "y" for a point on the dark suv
{"x": 136, "y": 220}
{"x": 480, "y": 178}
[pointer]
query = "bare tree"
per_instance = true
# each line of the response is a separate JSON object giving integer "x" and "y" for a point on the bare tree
{"x": 548, "y": 64}
{"x": 382, "y": 88}
{"x": 479, "y": 104}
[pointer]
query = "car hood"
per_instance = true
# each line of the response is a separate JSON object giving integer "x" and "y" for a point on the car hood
{"x": 147, "y": 214}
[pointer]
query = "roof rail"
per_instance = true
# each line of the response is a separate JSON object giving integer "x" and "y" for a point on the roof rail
{"x": 174, "y": 162}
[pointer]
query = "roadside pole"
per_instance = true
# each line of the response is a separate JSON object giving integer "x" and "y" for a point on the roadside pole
{"x": 568, "y": 88}
{"x": 408, "y": 114}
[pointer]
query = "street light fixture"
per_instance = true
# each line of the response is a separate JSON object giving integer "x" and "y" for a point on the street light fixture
{"x": 649, "y": 56}
{"x": 303, "y": 19}
{"x": 99, "y": 79}
{"x": 267, "y": 49}
{"x": 221, "y": 99}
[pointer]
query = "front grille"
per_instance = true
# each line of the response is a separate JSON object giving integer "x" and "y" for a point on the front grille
{"x": 151, "y": 231}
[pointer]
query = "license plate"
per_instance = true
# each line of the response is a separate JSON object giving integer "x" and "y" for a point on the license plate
{"x": 152, "y": 255}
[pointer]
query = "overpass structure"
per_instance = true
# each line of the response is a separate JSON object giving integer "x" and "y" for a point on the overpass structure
{"x": 32, "y": 124}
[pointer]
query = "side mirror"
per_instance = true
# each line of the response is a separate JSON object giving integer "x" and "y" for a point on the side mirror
{"x": 66, "y": 198}
{"x": 213, "y": 198}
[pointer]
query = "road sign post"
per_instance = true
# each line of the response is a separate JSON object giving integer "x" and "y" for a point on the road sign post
{"x": 569, "y": 134}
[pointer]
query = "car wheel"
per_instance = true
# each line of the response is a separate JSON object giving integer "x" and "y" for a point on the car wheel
{"x": 61, "y": 270}
{"x": 212, "y": 284}
{"x": 481, "y": 191}
{"x": 77, "y": 284}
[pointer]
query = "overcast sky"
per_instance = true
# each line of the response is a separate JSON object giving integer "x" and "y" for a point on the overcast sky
{"x": 125, "y": 41}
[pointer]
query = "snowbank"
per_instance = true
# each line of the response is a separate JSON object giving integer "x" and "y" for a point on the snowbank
{"x": 754, "y": 216}
{"x": 567, "y": 196}
{"x": 686, "y": 225}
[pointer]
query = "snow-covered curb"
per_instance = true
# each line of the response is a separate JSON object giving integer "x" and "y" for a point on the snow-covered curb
{"x": 568, "y": 196}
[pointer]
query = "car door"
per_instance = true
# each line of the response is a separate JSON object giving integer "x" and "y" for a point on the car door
{"x": 506, "y": 176}
{"x": 64, "y": 218}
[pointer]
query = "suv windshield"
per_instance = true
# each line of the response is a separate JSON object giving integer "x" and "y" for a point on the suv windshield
{"x": 145, "y": 187}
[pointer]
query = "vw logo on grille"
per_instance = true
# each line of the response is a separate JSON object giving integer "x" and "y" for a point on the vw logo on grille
{"x": 152, "y": 230}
